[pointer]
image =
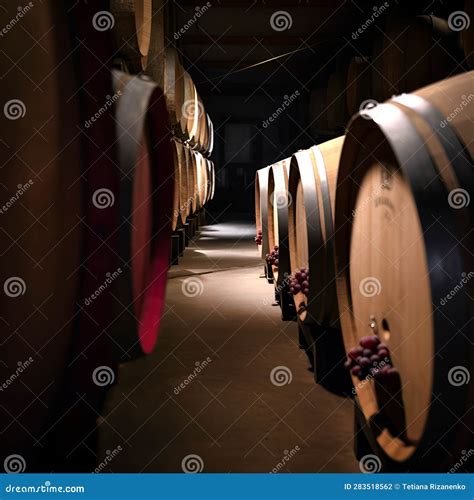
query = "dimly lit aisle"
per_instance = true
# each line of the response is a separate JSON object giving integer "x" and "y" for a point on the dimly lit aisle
{"x": 208, "y": 386}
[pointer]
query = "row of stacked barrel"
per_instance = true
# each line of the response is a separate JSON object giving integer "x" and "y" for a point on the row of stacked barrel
{"x": 95, "y": 190}
{"x": 143, "y": 51}
{"x": 193, "y": 133}
{"x": 403, "y": 55}
{"x": 371, "y": 235}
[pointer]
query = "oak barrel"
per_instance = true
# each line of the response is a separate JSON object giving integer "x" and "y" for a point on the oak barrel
{"x": 146, "y": 208}
{"x": 131, "y": 22}
{"x": 180, "y": 184}
{"x": 174, "y": 88}
{"x": 312, "y": 186}
{"x": 261, "y": 208}
{"x": 42, "y": 231}
{"x": 277, "y": 208}
{"x": 410, "y": 53}
{"x": 403, "y": 242}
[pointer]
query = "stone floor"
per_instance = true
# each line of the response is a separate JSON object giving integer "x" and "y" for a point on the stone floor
{"x": 205, "y": 400}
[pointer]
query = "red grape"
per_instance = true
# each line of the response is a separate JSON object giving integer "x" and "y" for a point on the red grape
{"x": 369, "y": 342}
{"x": 364, "y": 362}
{"x": 355, "y": 370}
{"x": 355, "y": 352}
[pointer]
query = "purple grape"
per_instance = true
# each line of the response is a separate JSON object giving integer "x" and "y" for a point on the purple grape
{"x": 367, "y": 353}
{"x": 364, "y": 362}
{"x": 355, "y": 370}
{"x": 369, "y": 342}
{"x": 382, "y": 353}
{"x": 354, "y": 353}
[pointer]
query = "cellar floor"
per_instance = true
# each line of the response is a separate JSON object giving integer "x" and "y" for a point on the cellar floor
{"x": 230, "y": 414}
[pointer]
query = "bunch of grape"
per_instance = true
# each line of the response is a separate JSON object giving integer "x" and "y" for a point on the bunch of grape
{"x": 371, "y": 357}
{"x": 300, "y": 282}
{"x": 272, "y": 257}
{"x": 258, "y": 238}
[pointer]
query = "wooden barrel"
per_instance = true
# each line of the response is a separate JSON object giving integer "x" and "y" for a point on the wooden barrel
{"x": 336, "y": 109}
{"x": 184, "y": 184}
{"x": 180, "y": 185}
{"x": 412, "y": 53}
{"x": 191, "y": 170}
{"x": 277, "y": 208}
{"x": 131, "y": 23}
{"x": 212, "y": 179}
{"x": 261, "y": 207}
{"x": 190, "y": 111}
{"x": 201, "y": 176}
{"x": 210, "y": 143}
{"x": 403, "y": 243}
{"x": 203, "y": 139}
{"x": 312, "y": 185}
{"x": 467, "y": 32}
{"x": 42, "y": 231}
{"x": 174, "y": 88}
{"x": 358, "y": 85}
{"x": 197, "y": 115}
{"x": 146, "y": 208}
